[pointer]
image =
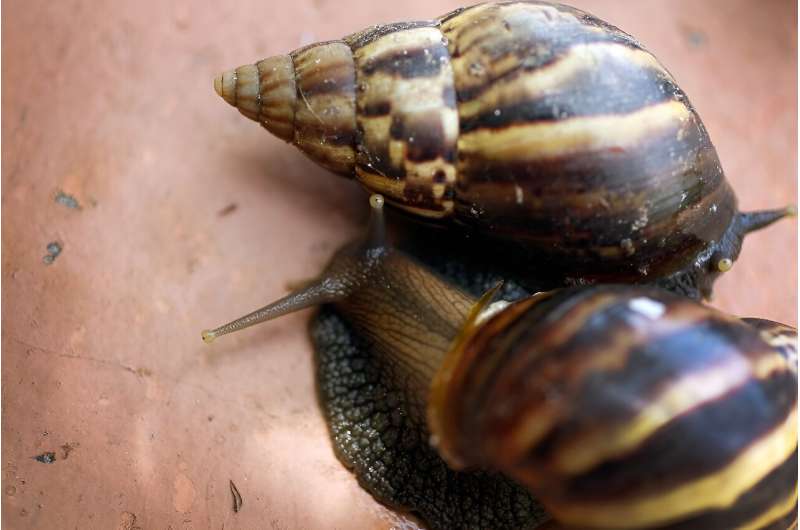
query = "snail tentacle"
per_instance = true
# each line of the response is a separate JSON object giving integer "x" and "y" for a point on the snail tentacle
{"x": 752, "y": 221}
{"x": 331, "y": 286}
{"x": 320, "y": 292}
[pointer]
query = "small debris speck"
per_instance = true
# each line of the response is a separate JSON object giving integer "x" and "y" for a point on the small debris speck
{"x": 53, "y": 250}
{"x": 695, "y": 37}
{"x": 46, "y": 458}
{"x": 229, "y": 209}
{"x": 67, "y": 200}
{"x": 237, "y": 498}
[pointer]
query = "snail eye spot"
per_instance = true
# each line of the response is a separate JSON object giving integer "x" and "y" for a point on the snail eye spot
{"x": 724, "y": 265}
{"x": 376, "y": 201}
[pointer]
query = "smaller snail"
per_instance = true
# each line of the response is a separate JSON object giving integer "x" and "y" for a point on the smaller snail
{"x": 615, "y": 406}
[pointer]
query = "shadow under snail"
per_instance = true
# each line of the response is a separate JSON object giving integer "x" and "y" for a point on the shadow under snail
{"x": 615, "y": 406}
{"x": 533, "y": 125}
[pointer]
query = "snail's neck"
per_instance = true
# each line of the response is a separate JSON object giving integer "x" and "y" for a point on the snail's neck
{"x": 411, "y": 316}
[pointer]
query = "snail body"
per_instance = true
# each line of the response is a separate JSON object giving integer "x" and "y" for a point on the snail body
{"x": 532, "y": 124}
{"x": 615, "y": 406}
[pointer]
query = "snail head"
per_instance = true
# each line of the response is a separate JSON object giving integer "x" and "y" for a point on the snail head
{"x": 721, "y": 256}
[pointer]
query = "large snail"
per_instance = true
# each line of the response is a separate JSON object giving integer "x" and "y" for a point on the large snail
{"x": 532, "y": 124}
{"x": 615, "y": 406}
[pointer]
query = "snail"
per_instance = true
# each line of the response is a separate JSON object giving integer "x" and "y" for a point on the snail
{"x": 535, "y": 126}
{"x": 615, "y": 406}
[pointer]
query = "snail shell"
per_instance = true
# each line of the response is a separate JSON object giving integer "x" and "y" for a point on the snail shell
{"x": 628, "y": 407}
{"x": 531, "y": 123}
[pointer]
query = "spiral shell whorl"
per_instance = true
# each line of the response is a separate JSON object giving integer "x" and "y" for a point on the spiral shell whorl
{"x": 306, "y": 98}
{"x": 578, "y": 145}
{"x": 406, "y": 115}
{"x": 264, "y": 92}
{"x": 630, "y": 411}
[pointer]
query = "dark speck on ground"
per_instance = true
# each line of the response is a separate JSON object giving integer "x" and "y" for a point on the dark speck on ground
{"x": 46, "y": 458}
{"x": 53, "y": 250}
{"x": 229, "y": 209}
{"x": 67, "y": 200}
{"x": 696, "y": 38}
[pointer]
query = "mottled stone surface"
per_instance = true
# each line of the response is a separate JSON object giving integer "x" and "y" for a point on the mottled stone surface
{"x": 171, "y": 213}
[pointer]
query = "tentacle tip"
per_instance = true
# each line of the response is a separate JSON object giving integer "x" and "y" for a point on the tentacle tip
{"x": 724, "y": 265}
{"x": 208, "y": 336}
{"x": 376, "y": 201}
{"x": 376, "y": 234}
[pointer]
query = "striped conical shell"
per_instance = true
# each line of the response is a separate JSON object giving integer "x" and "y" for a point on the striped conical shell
{"x": 529, "y": 122}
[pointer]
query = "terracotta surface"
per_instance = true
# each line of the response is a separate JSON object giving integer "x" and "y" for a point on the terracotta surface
{"x": 190, "y": 215}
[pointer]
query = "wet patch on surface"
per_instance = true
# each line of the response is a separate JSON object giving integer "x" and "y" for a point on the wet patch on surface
{"x": 67, "y": 448}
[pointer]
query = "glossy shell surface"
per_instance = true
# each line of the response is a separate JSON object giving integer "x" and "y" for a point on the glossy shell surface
{"x": 629, "y": 407}
{"x": 530, "y": 122}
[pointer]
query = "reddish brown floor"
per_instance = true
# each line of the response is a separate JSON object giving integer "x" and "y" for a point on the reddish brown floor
{"x": 190, "y": 214}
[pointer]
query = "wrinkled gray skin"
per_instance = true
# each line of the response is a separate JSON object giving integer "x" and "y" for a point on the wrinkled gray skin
{"x": 383, "y": 439}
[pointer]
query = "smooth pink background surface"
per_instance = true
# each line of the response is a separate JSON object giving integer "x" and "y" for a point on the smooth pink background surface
{"x": 112, "y": 103}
